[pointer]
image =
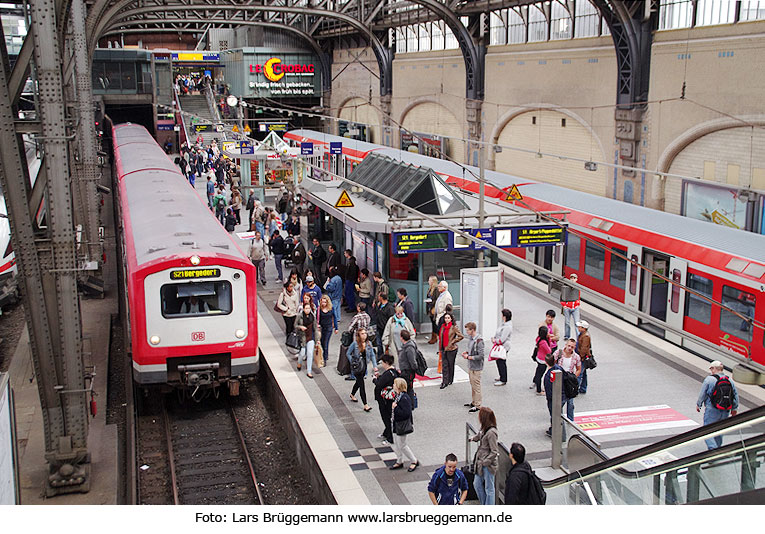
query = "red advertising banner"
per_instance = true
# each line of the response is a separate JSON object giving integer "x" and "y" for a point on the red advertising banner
{"x": 638, "y": 419}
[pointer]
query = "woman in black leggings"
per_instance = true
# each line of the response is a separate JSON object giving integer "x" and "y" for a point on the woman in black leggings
{"x": 359, "y": 353}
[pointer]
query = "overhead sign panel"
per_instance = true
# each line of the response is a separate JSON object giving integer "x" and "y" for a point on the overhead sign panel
{"x": 335, "y": 147}
{"x": 537, "y": 236}
{"x": 306, "y": 149}
{"x": 432, "y": 241}
{"x": 508, "y": 237}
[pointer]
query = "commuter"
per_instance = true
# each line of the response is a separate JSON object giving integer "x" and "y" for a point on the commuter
{"x": 293, "y": 226}
{"x": 486, "y": 459}
{"x": 318, "y": 256}
{"x": 448, "y": 484}
{"x": 307, "y": 333}
{"x": 719, "y": 397}
{"x": 444, "y": 299}
{"x": 553, "y": 366}
{"x": 220, "y": 202}
{"x": 502, "y": 337}
{"x": 405, "y": 302}
{"x": 475, "y": 356}
{"x": 361, "y": 319}
{"x": 250, "y": 206}
{"x": 333, "y": 260}
{"x": 310, "y": 288}
{"x": 381, "y": 286}
{"x": 236, "y": 205}
{"x": 570, "y": 303}
{"x": 584, "y": 349}
{"x": 288, "y": 303}
{"x": 259, "y": 256}
{"x": 391, "y": 337}
{"x": 192, "y": 179}
{"x": 448, "y": 339}
{"x": 274, "y": 224}
{"x": 210, "y": 192}
{"x": 430, "y": 306}
{"x": 402, "y": 426}
{"x": 364, "y": 287}
{"x": 439, "y": 324}
{"x": 541, "y": 350}
{"x": 407, "y": 360}
{"x": 294, "y": 279}
{"x": 521, "y": 480}
{"x": 307, "y": 298}
{"x": 258, "y": 217}
{"x": 360, "y": 353}
{"x": 351, "y": 277}
{"x": 385, "y": 397}
{"x": 571, "y": 362}
{"x": 554, "y": 336}
{"x": 327, "y": 323}
{"x": 230, "y": 224}
{"x": 384, "y": 312}
{"x": 334, "y": 288}
{"x": 276, "y": 244}
{"x": 282, "y": 205}
{"x": 299, "y": 255}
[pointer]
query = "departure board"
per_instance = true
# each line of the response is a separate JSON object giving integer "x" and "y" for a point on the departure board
{"x": 539, "y": 236}
{"x": 406, "y": 242}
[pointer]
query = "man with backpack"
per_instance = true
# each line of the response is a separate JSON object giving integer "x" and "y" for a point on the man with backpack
{"x": 407, "y": 360}
{"x": 553, "y": 366}
{"x": 719, "y": 397}
{"x": 220, "y": 205}
{"x": 522, "y": 485}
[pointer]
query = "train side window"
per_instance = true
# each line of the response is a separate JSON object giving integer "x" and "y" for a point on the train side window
{"x": 573, "y": 247}
{"x": 696, "y": 307}
{"x": 743, "y": 303}
{"x": 618, "y": 275}
{"x": 193, "y": 299}
{"x": 594, "y": 260}
{"x": 633, "y": 275}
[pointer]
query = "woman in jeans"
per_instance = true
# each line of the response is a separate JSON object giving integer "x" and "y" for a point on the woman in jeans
{"x": 363, "y": 350}
{"x": 542, "y": 350}
{"x": 288, "y": 303}
{"x": 402, "y": 428}
{"x": 307, "y": 332}
{"x": 327, "y": 322}
{"x": 487, "y": 457}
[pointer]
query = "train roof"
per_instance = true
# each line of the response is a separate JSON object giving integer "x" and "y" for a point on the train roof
{"x": 728, "y": 240}
{"x": 166, "y": 216}
{"x": 137, "y": 150}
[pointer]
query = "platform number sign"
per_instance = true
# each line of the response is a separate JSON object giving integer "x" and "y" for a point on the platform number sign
{"x": 306, "y": 149}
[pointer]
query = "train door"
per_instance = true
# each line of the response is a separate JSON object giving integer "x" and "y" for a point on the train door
{"x": 557, "y": 259}
{"x": 632, "y": 288}
{"x": 654, "y": 290}
{"x": 543, "y": 256}
{"x": 676, "y": 298}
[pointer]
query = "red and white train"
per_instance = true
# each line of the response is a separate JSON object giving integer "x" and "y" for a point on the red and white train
{"x": 191, "y": 292}
{"x": 725, "y": 264}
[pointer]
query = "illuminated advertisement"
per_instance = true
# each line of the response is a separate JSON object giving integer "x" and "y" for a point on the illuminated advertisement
{"x": 288, "y": 75}
{"x": 711, "y": 203}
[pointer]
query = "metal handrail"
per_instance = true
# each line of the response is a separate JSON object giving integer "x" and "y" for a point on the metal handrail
{"x": 210, "y": 95}
{"x": 180, "y": 112}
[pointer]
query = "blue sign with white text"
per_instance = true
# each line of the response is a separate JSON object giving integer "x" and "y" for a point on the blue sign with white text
{"x": 306, "y": 149}
{"x": 336, "y": 147}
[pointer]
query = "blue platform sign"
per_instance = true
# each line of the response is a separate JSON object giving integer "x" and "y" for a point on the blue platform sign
{"x": 336, "y": 147}
{"x": 306, "y": 149}
{"x": 506, "y": 237}
{"x": 246, "y": 147}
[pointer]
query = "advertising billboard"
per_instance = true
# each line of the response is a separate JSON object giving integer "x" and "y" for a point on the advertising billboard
{"x": 283, "y": 75}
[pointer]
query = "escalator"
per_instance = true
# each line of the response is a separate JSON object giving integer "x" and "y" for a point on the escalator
{"x": 677, "y": 470}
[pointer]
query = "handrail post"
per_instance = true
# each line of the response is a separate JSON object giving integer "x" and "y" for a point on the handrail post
{"x": 555, "y": 418}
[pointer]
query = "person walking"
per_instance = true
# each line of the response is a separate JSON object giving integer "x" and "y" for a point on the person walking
{"x": 307, "y": 332}
{"x": 391, "y": 337}
{"x": 541, "y": 350}
{"x": 384, "y": 396}
{"x": 402, "y": 426}
{"x": 502, "y": 337}
{"x": 486, "y": 459}
{"x": 230, "y": 224}
{"x": 430, "y": 306}
{"x": 719, "y": 397}
{"x": 407, "y": 360}
{"x": 584, "y": 349}
{"x": 259, "y": 255}
{"x": 210, "y": 193}
{"x": 448, "y": 485}
{"x": 220, "y": 205}
{"x": 327, "y": 323}
{"x": 360, "y": 353}
{"x": 276, "y": 244}
{"x": 294, "y": 278}
{"x": 449, "y": 337}
{"x": 570, "y": 303}
{"x": 475, "y": 357}
{"x": 310, "y": 288}
{"x": 384, "y": 312}
{"x": 250, "y": 206}
{"x": 334, "y": 287}
{"x": 288, "y": 303}
{"x": 299, "y": 255}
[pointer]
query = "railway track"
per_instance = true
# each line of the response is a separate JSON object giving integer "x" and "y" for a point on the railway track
{"x": 193, "y": 455}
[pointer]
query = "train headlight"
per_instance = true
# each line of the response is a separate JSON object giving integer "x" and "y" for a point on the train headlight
{"x": 239, "y": 333}
{"x": 154, "y": 340}
{"x": 195, "y": 260}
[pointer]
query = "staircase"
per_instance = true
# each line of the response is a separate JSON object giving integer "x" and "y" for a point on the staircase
{"x": 197, "y": 111}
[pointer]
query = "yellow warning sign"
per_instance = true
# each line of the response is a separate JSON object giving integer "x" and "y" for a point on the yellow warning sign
{"x": 247, "y": 128}
{"x": 235, "y": 128}
{"x": 344, "y": 201}
{"x": 513, "y": 194}
{"x": 478, "y": 234}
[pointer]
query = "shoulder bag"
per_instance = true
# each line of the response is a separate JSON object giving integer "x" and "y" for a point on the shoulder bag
{"x": 404, "y": 427}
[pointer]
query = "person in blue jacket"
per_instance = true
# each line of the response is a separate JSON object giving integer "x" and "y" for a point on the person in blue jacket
{"x": 334, "y": 289}
{"x": 448, "y": 485}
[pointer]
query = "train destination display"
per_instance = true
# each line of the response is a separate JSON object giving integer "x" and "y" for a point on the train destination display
{"x": 507, "y": 237}
{"x": 421, "y": 241}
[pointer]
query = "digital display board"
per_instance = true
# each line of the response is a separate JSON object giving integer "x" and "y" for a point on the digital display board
{"x": 195, "y": 273}
{"x": 421, "y": 241}
{"x": 539, "y": 236}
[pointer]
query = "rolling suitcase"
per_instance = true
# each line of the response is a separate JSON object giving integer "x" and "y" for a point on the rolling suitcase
{"x": 343, "y": 365}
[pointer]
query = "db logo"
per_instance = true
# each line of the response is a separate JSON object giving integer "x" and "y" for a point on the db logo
{"x": 197, "y": 336}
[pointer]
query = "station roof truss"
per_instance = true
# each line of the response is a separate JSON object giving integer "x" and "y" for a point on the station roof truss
{"x": 420, "y": 188}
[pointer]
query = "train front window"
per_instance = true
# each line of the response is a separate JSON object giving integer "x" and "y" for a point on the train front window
{"x": 739, "y": 324}
{"x": 194, "y": 299}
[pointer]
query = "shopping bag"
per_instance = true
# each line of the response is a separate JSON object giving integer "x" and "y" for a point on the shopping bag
{"x": 497, "y": 352}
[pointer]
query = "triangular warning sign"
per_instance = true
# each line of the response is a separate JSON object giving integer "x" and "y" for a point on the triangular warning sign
{"x": 478, "y": 234}
{"x": 235, "y": 128}
{"x": 513, "y": 194}
{"x": 344, "y": 201}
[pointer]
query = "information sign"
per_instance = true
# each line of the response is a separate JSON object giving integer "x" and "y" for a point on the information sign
{"x": 203, "y": 127}
{"x": 335, "y": 147}
{"x": 195, "y": 273}
{"x": 306, "y": 149}
{"x": 536, "y": 236}
{"x": 421, "y": 241}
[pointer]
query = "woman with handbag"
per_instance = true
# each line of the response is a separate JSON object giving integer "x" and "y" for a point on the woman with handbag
{"x": 502, "y": 337}
{"x": 448, "y": 338}
{"x": 360, "y": 353}
{"x": 307, "y": 330}
{"x": 385, "y": 396}
{"x": 402, "y": 426}
{"x": 486, "y": 459}
{"x": 391, "y": 338}
{"x": 540, "y": 353}
{"x": 327, "y": 322}
{"x": 288, "y": 304}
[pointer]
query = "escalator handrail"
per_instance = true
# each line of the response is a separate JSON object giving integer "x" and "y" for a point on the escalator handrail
{"x": 679, "y": 439}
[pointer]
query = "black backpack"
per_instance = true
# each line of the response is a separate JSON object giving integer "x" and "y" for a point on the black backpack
{"x": 221, "y": 203}
{"x": 722, "y": 394}
{"x": 422, "y": 365}
{"x": 570, "y": 385}
{"x": 357, "y": 364}
{"x": 537, "y": 493}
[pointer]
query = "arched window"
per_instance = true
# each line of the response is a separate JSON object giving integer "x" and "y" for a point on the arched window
{"x": 560, "y": 22}
{"x": 424, "y": 30}
{"x": 498, "y": 34}
{"x": 537, "y": 24}
{"x": 587, "y": 19}
{"x": 711, "y": 12}
{"x": 438, "y": 36}
{"x": 400, "y": 41}
{"x": 752, "y": 10}
{"x": 516, "y": 27}
{"x": 411, "y": 39}
{"x": 675, "y": 14}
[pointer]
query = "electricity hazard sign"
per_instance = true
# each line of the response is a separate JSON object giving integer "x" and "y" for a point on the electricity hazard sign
{"x": 513, "y": 194}
{"x": 344, "y": 201}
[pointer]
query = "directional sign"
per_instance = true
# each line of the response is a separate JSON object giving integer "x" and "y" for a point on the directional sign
{"x": 344, "y": 201}
{"x": 513, "y": 194}
{"x": 335, "y": 147}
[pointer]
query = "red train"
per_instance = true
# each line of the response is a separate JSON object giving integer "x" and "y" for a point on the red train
{"x": 724, "y": 264}
{"x": 190, "y": 291}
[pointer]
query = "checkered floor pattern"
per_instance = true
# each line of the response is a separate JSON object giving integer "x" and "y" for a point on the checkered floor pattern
{"x": 371, "y": 458}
